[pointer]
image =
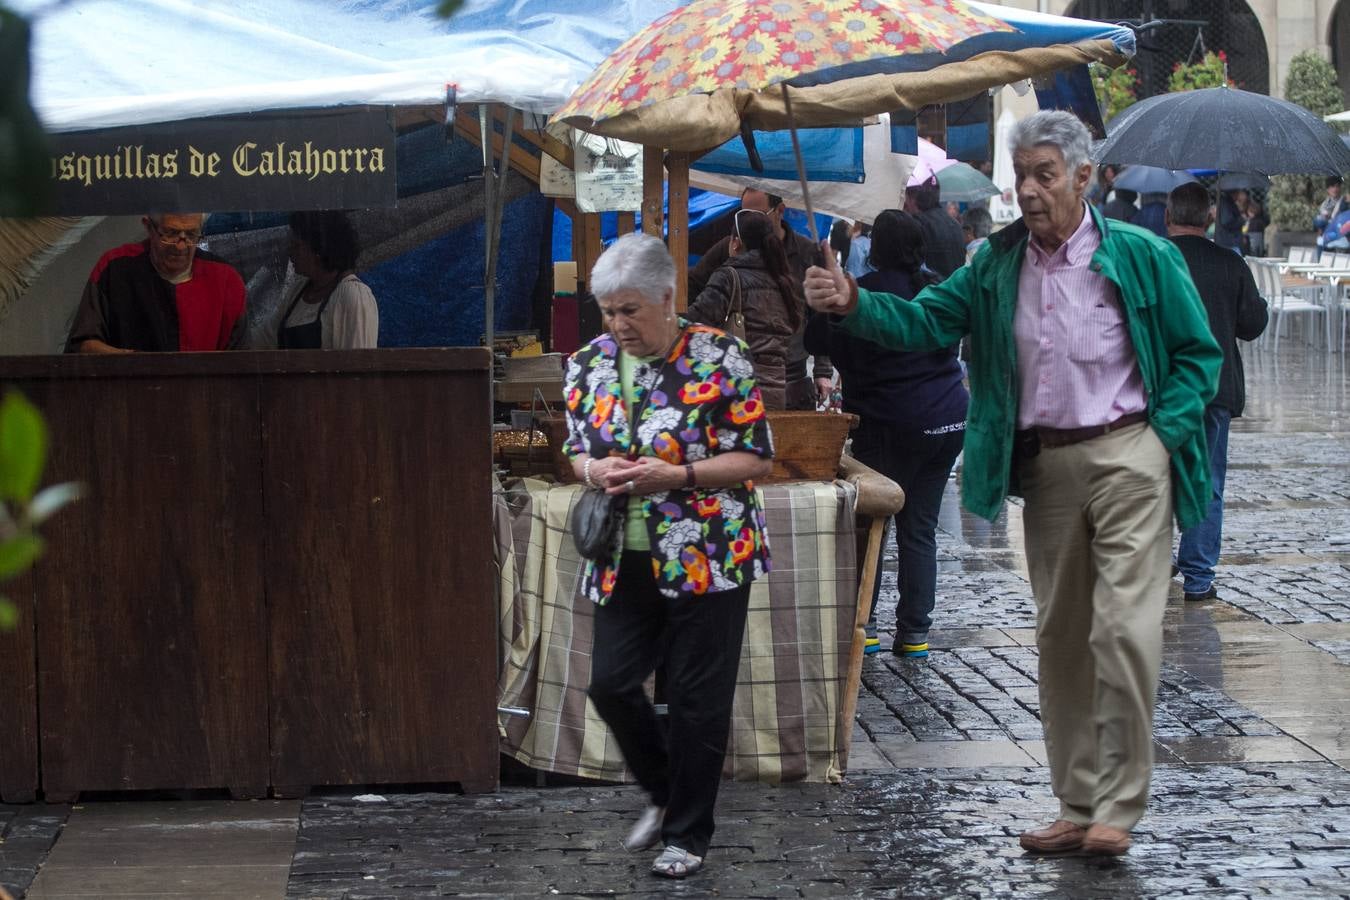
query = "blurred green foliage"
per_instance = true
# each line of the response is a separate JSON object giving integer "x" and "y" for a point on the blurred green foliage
{"x": 1312, "y": 84}
{"x": 24, "y": 161}
{"x": 1116, "y": 88}
{"x": 23, "y": 507}
{"x": 1211, "y": 71}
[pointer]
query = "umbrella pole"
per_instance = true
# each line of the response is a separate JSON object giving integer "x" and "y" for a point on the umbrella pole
{"x": 801, "y": 166}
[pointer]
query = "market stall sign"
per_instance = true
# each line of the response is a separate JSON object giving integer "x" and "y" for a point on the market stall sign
{"x": 293, "y": 160}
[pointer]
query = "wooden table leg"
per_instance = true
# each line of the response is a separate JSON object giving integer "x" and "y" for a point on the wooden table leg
{"x": 870, "y": 564}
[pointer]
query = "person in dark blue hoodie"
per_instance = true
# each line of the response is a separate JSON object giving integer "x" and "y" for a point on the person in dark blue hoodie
{"x": 912, "y": 410}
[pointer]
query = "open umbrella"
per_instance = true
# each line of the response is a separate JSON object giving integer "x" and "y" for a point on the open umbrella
{"x": 1151, "y": 180}
{"x": 963, "y": 183}
{"x": 701, "y": 74}
{"x": 1242, "y": 181}
{"x": 1223, "y": 128}
{"x": 717, "y": 56}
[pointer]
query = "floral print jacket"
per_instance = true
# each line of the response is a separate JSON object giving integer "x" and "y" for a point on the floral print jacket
{"x": 703, "y": 401}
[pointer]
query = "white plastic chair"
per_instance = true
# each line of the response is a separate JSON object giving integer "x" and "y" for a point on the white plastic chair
{"x": 1289, "y": 302}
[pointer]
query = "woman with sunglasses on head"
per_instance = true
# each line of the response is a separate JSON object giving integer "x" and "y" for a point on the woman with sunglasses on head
{"x": 757, "y": 282}
{"x": 912, "y": 411}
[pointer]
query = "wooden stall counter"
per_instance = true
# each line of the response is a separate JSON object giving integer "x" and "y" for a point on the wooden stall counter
{"x": 281, "y": 575}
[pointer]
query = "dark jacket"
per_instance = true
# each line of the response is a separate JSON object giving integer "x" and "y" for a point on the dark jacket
{"x": 910, "y": 390}
{"x": 1119, "y": 208}
{"x": 1236, "y": 310}
{"x": 1228, "y": 223}
{"x": 1152, "y": 216}
{"x": 801, "y": 254}
{"x": 767, "y": 321}
{"x": 944, "y": 242}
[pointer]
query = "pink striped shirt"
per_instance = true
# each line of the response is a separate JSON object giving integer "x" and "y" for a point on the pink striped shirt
{"x": 1075, "y": 363}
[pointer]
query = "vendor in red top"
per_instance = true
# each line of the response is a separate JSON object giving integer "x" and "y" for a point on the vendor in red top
{"x": 162, "y": 294}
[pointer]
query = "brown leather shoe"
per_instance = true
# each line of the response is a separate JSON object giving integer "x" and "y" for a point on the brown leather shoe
{"x": 1060, "y": 836}
{"x": 1103, "y": 840}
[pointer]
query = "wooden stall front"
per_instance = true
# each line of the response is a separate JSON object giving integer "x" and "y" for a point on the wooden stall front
{"x": 281, "y": 576}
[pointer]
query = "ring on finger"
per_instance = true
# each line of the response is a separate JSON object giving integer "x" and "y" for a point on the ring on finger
{"x": 630, "y": 485}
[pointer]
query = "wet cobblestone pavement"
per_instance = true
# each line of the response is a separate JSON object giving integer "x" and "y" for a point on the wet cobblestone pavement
{"x": 1251, "y": 795}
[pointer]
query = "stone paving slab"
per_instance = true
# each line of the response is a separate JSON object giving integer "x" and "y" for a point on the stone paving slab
{"x": 27, "y": 833}
{"x": 1216, "y": 831}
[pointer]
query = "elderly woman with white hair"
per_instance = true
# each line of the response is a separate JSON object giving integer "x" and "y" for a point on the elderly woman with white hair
{"x": 1091, "y": 366}
{"x": 666, "y": 416}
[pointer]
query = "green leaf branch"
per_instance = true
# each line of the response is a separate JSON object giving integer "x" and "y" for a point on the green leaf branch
{"x": 23, "y": 507}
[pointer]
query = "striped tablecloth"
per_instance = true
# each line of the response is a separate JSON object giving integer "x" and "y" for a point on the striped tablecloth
{"x": 786, "y": 719}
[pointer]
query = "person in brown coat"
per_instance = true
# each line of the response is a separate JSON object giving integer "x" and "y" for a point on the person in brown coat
{"x": 770, "y": 299}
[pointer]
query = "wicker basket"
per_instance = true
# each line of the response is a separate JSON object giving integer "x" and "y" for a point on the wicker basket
{"x": 807, "y": 445}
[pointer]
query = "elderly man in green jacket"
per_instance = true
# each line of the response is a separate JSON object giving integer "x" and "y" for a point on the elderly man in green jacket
{"x": 1092, "y": 362}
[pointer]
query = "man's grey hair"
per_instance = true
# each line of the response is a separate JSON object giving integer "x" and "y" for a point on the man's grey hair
{"x": 979, "y": 221}
{"x": 635, "y": 262}
{"x": 1188, "y": 205}
{"x": 1059, "y": 129}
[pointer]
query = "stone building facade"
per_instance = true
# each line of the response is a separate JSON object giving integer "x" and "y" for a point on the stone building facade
{"x": 1260, "y": 37}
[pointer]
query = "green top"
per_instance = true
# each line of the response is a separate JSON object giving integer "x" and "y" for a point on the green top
{"x": 1169, "y": 328}
{"x": 635, "y": 523}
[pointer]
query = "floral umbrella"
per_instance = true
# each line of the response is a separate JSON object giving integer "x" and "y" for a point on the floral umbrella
{"x": 750, "y": 45}
{"x": 697, "y": 76}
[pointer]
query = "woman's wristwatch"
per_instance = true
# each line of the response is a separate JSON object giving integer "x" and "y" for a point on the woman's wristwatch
{"x": 689, "y": 475}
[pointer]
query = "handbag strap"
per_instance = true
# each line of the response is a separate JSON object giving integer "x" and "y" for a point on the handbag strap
{"x": 636, "y": 417}
{"x": 735, "y": 309}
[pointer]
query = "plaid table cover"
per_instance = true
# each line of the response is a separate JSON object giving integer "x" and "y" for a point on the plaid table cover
{"x": 786, "y": 718}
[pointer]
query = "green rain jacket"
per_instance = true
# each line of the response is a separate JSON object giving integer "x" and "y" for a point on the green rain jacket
{"x": 1177, "y": 355}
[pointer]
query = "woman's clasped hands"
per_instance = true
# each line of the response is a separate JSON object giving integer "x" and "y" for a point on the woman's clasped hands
{"x": 646, "y": 475}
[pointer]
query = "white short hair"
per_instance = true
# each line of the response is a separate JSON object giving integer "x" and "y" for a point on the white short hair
{"x": 1061, "y": 130}
{"x": 635, "y": 262}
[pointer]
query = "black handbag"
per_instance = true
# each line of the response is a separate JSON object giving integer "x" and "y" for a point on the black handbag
{"x": 595, "y": 515}
{"x": 595, "y": 519}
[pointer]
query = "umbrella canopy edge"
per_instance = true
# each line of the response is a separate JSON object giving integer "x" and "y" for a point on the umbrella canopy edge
{"x": 702, "y": 121}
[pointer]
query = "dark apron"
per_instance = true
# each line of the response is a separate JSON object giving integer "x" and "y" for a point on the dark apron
{"x": 308, "y": 336}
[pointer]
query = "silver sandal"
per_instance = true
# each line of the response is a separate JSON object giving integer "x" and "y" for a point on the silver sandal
{"x": 676, "y": 863}
{"x": 646, "y": 831}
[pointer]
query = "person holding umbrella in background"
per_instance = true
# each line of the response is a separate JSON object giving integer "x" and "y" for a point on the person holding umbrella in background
{"x": 1236, "y": 311}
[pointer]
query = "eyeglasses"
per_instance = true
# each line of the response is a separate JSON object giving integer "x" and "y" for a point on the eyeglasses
{"x": 741, "y": 212}
{"x": 171, "y": 236}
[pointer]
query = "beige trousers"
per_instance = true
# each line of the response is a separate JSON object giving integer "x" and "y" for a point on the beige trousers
{"x": 1098, "y": 523}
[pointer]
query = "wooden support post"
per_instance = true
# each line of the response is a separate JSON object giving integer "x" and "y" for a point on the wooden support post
{"x": 871, "y": 561}
{"x": 653, "y": 182}
{"x": 627, "y": 223}
{"x": 678, "y": 233}
{"x": 590, "y": 225}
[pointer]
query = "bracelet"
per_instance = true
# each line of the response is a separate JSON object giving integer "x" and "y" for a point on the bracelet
{"x": 586, "y": 472}
{"x": 689, "y": 475}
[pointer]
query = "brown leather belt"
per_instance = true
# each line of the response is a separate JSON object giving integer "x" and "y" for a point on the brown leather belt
{"x": 1063, "y": 437}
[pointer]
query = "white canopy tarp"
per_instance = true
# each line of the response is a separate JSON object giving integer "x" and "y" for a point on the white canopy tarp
{"x": 105, "y": 63}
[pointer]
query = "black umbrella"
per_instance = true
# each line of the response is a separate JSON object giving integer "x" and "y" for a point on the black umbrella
{"x": 1223, "y": 128}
